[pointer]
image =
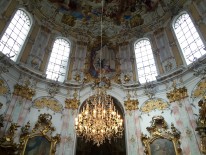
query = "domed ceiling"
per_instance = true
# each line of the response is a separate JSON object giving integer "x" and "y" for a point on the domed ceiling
{"x": 119, "y": 17}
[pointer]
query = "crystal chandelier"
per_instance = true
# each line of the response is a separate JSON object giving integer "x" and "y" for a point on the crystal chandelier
{"x": 99, "y": 120}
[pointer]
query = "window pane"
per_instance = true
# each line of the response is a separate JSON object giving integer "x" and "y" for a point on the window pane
{"x": 188, "y": 38}
{"x": 58, "y": 60}
{"x": 145, "y": 61}
{"x": 13, "y": 40}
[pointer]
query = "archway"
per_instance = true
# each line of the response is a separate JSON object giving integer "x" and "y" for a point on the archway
{"x": 116, "y": 147}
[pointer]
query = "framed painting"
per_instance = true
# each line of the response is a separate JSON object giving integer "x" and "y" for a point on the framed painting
{"x": 38, "y": 145}
{"x": 40, "y": 140}
{"x": 162, "y": 146}
{"x": 161, "y": 141}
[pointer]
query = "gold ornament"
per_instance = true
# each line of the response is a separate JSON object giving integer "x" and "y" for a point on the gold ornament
{"x": 154, "y": 104}
{"x": 161, "y": 140}
{"x": 24, "y": 91}
{"x": 50, "y": 103}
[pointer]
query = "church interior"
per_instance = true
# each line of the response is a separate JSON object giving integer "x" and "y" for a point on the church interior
{"x": 102, "y": 77}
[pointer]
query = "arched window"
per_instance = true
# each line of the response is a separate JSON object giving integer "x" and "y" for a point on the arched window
{"x": 58, "y": 61}
{"x": 145, "y": 61}
{"x": 15, "y": 35}
{"x": 188, "y": 38}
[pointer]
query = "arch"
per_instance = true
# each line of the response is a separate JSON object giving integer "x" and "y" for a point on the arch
{"x": 14, "y": 37}
{"x": 104, "y": 148}
{"x": 189, "y": 40}
{"x": 145, "y": 63}
{"x": 58, "y": 61}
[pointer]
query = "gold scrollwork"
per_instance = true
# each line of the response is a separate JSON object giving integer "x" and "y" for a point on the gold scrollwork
{"x": 131, "y": 104}
{"x": 72, "y": 103}
{"x": 154, "y": 104}
{"x": 24, "y": 91}
{"x": 3, "y": 88}
{"x": 7, "y": 144}
{"x": 201, "y": 124}
{"x": 160, "y": 135}
{"x": 200, "y": 90}
{"x": 177, "y": 94}
{"x": 43, "y": 128}
{"x": 50, "y": 103}
{"x": 9, "y": 137}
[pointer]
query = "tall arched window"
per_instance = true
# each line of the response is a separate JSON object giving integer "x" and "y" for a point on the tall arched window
{"x": 145, "y": 61}
{"x": 15, "y": 35}
{"x": 188, "y": 38}
{"x": 58, "y": 61}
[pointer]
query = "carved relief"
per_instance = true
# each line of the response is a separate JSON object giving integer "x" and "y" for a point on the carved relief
{"x": 24, "y": 91}
{"x": 154, "y": 104}
{"x": 48, "y": 102}
{"x": 201, "y": 124}
{"x": 161, "y": 140}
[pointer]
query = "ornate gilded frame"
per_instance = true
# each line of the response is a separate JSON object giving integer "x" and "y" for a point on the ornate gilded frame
{"x": 43, "y": 128}
{"x": 159, "y": 130}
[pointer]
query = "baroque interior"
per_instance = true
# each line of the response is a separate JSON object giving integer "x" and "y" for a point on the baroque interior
{"x": 149, "y": 55}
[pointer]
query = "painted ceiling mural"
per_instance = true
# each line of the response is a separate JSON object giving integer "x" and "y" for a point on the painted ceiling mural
{"x": 118, "y": 16}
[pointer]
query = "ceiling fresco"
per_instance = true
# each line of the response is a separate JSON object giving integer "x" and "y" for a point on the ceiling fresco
{"x": 111, "y": 17}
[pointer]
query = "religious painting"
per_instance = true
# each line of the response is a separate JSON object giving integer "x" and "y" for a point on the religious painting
{"x": 162, "y": 140}
{"x": 162, "y": 147}
{"x": 40, "y": 140}
{"x": 38, "y": 145}
{"x": 102, "y": 61}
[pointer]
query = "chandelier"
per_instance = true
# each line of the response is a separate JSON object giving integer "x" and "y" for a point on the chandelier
{"x": 99, "y": 120}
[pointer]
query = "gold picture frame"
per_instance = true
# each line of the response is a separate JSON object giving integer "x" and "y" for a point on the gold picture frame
{"x": 40, "y": 139}
{"x": 161, "y": 140}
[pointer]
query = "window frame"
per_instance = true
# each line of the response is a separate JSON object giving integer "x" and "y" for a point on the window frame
{"x": 154, "y": 58}
{"x": 173, "y": 21}
{"x": 27, "y": 37}
{"x": 68, "y": 62}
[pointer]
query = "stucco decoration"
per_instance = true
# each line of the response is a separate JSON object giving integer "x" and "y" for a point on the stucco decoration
{"x": 48, "y": 102}
{"x": 24, "y": 91}
{"x": 3, "y": 87}
{"x": 201, "y": 124}
{"x": 131, "y": 104}
{"x": 72, "y": 103}
{"x": 154, "y": 104}
{"x": 200, "y": 89}
{"x": 177, "y": 94}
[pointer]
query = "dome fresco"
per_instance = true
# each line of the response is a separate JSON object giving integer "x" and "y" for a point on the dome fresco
{"x": 118, "y": 16}
{"x": 148, "y": 55}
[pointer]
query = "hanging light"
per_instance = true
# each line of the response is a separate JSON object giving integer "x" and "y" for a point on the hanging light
{"x": 99, "y": 120}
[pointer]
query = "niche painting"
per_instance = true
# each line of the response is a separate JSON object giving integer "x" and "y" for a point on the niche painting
{"x": 38, "y": 145}
{"x": 162, "y": 146}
